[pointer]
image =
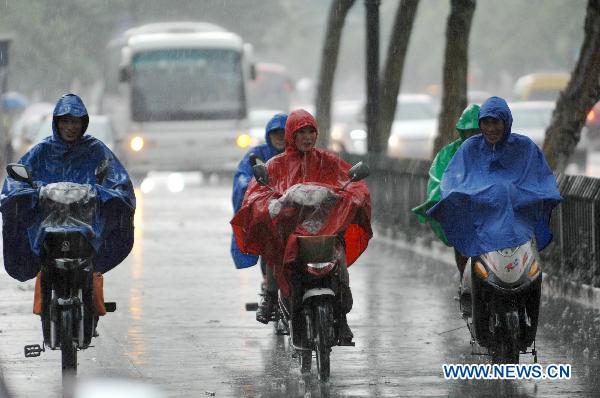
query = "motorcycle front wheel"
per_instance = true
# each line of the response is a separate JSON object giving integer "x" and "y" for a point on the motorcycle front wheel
{"x": 323, "y": 327}
{"x": 67, "y": 344}
{"x": 505, "y": 352}
{"x": 305, "y": 360}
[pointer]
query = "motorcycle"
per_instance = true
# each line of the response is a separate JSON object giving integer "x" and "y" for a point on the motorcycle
{"x": 503, "y": 289}
{"x": 67, "y": 265}
{"x": 312, "y": 315}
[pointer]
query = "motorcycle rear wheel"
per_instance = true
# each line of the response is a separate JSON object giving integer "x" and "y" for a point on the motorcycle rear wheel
{"x": 67, "y": 344}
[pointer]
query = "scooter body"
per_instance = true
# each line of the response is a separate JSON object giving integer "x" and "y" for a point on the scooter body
{"x": 68, "y": 211}
{"x": 313, "y": 313}
{"x": 68, "y": 320}
{"x": 505, "y": 300}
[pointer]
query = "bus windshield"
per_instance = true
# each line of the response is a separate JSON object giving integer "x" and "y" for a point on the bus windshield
{"x": 187, "y": 84}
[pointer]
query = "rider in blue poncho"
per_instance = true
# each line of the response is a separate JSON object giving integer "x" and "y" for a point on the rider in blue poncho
{"x": 498, "y": 191}
{"x": 69, "y": 155}
{"x": 274, "y": 145}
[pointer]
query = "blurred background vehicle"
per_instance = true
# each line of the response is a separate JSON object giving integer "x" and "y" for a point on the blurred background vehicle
{"x": 412, "y": 134}
{"x": 258, "y": 119}
{"x": 347, "y": 134}
{"x": 100, "y": 127}
{"x": 532, "y": 118}
{"x": 414, "y": 127}
{"x": 23, "y": 131}
{"x": 177, "y": 93}
{"x": 592, "y": 126}
{"x": 272, "y": 87}
{"x": 477, "y": 96}
{"x": 12, "y": 105}
{"x": 542, "y": 86}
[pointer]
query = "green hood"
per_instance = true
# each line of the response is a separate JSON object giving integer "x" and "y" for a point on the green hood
{"x": 469, "y": 120}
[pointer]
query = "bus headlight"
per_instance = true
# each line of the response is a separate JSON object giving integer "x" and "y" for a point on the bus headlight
{"x": 136, "y": 144}
{"x": 243, "y": 141}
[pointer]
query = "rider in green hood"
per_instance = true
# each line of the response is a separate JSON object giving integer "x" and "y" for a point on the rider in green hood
{"x": 467, "y": 126}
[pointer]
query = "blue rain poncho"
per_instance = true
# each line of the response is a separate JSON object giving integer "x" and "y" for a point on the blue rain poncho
{"x": 244, "y": 175}
{"x": 55, "y": 160}
{"x": 496, "y": 196}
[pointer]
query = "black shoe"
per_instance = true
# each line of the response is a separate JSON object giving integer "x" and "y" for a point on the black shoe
{"x": 266, "y": 308}
{"x": 345, "y": 333}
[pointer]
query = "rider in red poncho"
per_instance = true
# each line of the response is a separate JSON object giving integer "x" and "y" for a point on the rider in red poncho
{"x": 273, "y": 236}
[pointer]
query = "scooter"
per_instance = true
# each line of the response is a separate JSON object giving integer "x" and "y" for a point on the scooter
{"x": 503, "y": 289}
{"x": 67, "y": 266}
{"x": 312, "y": 314}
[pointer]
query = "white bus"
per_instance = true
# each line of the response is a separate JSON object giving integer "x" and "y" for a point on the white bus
{"x": 177, "y": 95}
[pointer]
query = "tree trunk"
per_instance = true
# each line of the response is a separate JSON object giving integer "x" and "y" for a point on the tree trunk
{"x": 329, "y": 57}
{"x": 394, "y": 65}
{"x": 578, "y": 97}
{"x": 456, "y": 67}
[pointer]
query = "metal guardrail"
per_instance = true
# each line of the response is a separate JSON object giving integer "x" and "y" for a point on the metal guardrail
{"x": 398, "y": 185}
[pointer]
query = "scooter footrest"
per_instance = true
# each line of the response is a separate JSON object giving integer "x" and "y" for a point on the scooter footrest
{"x": 33, "y": 350}
{"x": 110, "y": 306}
{"x": 345, "y": 343}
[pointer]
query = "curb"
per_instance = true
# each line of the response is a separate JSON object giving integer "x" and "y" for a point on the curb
{"x": 582, "y": 294}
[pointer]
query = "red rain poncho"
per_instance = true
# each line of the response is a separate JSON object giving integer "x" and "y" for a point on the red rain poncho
{"x": 275, "y": 238}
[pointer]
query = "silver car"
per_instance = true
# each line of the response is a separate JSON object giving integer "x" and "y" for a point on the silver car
{"x": 414, "y": 127}
{"x": 532, "y": 118}
{"x": 412, "y": 133}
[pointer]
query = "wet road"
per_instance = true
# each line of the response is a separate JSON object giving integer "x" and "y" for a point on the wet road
{"x": 181, "y": 324}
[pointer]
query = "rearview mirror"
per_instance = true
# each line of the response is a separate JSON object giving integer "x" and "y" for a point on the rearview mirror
{"x": 260, "y": 173}
{"x": 20, "y": 173}
{"x": 358, "y": 172}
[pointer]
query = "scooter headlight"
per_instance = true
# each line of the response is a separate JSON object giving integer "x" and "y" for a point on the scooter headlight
{"x": 480, "y": 270}
{"x": 533, "y": 269}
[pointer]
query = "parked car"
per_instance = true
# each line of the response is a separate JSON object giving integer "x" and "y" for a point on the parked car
{"x": 100, "y": 127}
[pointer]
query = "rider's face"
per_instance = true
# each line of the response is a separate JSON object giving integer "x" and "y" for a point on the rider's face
{"x": 277, "y": 138}
{"x": 492, "y": 129}
{"x": 305, "y": 138}
{"x": 69, "y": 127}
